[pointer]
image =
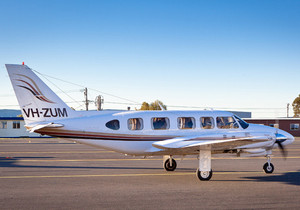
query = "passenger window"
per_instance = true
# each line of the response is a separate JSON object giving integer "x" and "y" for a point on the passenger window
{"x": 135, "y": 124}
{"x": 186, "y": 122}
{"x": 207, "y": 122}
{"x": 226, "y": 123}
{"x": 160, "y": 123}
{"x": 113, "y": 124}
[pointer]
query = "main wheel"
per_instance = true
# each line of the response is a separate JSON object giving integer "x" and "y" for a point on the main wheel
{"x": 204, "y": 175}
{"x": 168, "y": 166}
{"x": 268, "y": 169}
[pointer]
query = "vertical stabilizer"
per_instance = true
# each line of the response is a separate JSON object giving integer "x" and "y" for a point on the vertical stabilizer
{"x": 37, "y": 101}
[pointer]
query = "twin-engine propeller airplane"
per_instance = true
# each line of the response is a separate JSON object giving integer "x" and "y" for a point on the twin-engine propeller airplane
{"x": 144, "y": 133}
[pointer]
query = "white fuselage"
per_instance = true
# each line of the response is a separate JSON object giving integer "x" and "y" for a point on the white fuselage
{"x": 93, "y": 130}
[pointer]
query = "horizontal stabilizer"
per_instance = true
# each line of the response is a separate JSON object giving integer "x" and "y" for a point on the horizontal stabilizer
{"x": 40, "y": 126}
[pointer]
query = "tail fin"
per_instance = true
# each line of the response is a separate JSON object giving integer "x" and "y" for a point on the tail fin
{"x": 37, "y": 101}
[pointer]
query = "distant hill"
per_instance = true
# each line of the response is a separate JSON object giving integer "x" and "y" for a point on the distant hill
{"x": 9, "y": 112}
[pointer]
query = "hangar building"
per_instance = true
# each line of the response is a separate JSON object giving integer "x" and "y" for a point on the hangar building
{"x": 13, "y": 127}
{"x": 290, "y": 125}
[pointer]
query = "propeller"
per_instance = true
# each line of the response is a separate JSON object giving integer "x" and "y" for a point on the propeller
{"x": 279, "y": 140}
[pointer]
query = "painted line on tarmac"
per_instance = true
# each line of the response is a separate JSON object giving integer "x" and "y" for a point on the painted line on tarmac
{"x": 89, "y": 175}
{"x": 121, "y": 160}
{"x": 246, "y": 158}
{"x": 135, "y": 175}
{"x": 67, "y": 152}
{"x": 277, "y": 150}
{"x": 100, "y": 151}
{"x": 74, "y": 160}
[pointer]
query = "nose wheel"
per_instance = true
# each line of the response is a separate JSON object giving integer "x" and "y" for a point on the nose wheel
{"x": 268, "y": 166}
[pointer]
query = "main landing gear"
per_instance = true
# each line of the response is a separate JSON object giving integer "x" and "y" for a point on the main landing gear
{"x": 204, "y": 175}
{"x": 169, "y": 163}
{"x": 204, "y": 172}
{"x": 268, "y": 166}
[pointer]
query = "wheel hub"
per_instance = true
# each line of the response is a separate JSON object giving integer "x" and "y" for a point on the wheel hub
{"x": 204, "y": 174}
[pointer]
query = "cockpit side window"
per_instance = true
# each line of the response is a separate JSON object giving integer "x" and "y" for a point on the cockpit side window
{"x": 160, "y": 123}
{"x": 227, "y": 123}
{"x": 242, "y": 122}
{"x": 186, "y": 122}
{"x": 135, "y": 124}
{"x": 113, "y": 124}
{"x": 207, "y": 122}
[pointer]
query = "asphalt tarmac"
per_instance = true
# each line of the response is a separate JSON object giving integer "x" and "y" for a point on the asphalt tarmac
{"x": 57, "y": 174}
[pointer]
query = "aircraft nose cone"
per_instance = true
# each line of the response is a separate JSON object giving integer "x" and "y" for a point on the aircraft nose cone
{"x": 284, "y": 137}
{"x": 291, "y": 138}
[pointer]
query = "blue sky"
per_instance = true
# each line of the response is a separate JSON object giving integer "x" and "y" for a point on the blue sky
{"x": 221, "y": 54}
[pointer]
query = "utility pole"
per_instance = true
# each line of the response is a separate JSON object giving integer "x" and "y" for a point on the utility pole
{"x": 98, "y": 102}
{"x": 287, "y": 110}
{"x": 86, "y": 99}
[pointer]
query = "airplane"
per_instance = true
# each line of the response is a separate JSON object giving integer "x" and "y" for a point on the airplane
{"x": 145, "y": 133}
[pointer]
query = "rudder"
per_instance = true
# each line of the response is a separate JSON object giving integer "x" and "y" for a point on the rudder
{"x": 37, "y": 101}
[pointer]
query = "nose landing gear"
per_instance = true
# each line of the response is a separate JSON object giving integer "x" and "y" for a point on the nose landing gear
{"x": 268, "y": 166}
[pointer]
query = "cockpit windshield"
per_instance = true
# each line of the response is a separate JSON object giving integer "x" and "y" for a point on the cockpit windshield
{"x": 241, "y": 122}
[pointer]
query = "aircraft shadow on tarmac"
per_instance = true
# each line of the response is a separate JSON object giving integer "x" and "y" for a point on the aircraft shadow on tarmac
{"x": 292, "y": 178}
{"x": 13, "y": 162}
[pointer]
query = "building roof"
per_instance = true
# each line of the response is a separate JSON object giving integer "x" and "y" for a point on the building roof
{"x": 9, "y": 112}
{"x": 11, "y": 118}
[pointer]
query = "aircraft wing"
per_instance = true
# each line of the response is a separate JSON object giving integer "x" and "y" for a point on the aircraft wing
{"x": 189, "y": 143}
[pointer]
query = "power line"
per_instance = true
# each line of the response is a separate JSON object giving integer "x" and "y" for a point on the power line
{"x": 55, "y": 85}
{"x": 7, "y": 95}
{"x": 45, "y": 75}
{"x": 207, "y": 107}
{"x": 10, "y": 105}
{"x": 137, "y": 103}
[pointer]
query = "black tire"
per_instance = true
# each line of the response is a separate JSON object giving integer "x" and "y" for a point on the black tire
{"x": 268, "y": 169}
{"x": 168, "y": 167}
{"x": 205, "y": 175}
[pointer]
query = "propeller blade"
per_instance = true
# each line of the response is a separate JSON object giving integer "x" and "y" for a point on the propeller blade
{"x": 279, "y": 139}
{"x": 283, "y": 151}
